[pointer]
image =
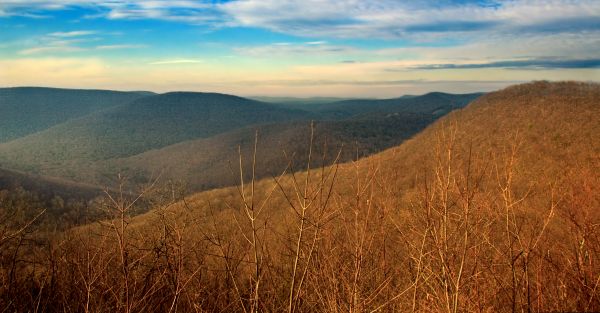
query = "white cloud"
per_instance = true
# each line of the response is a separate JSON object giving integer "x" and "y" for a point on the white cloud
{"x": 396, "y": 19}
{"x": 50, "y": 50}
{"x": 467, "y": 33}
{"x": 118, "y": 47}
{"x": 70, "y": 42}
{"x": 425, "y": 20}
{"x": 188, "y": 11}
{"x": 76, "y": 33}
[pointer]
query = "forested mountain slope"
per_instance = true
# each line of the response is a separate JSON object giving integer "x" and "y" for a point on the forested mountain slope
{"x": 489, "y": 208}
{"x": 148, "y": 123}
{"x": 27, "y": 110}
{"x": 431, "y": 103}
{"x": 205, "y": 163}
{"x": 492, "y": 208}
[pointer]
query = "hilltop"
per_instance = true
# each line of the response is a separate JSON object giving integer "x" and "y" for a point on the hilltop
{"x": 27, "y": 110}
{"x": 71, "y": 148}
{"x": 433, "y": 103}
{"x": 181, "y": 132}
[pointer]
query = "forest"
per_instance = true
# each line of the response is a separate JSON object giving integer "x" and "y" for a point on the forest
{"x": 492, "y": 207}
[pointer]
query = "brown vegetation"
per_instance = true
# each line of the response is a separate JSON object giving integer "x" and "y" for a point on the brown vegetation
{"x": 494, "y": 208}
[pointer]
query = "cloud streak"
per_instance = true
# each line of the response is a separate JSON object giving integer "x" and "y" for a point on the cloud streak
{"x": 400, "y": 19}
{"x": 76, "y": 33}
{"x": 523, "y": 64}
{"x": 71, "y": 42}
{"x": 345, "y": 18}
{"x": 189, "y": 11}
{"x": 286, "y": 50}
{"x": 177, "y": 61}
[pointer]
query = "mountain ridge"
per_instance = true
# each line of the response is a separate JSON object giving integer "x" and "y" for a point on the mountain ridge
{"x": 28, "y": 110}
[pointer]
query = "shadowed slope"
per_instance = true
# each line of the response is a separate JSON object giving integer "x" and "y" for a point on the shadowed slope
{"x": 70, "y": 149}
{"x": 432, "y": 103}
{"x": 205, "y": 163}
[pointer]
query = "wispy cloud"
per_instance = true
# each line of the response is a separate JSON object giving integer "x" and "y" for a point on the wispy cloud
{"x": 71, "y": 42}
{"x": 177, "y": 61}
{"x": 320, "y": 48}
{"x": 394, "y": 19}
{"x": 189, "y": 11}
{"x": 76, "y": 33}
{"x": 345, "y": 18}
{"x": 312, "y": 44}
{"x": 122, "y": 46}
{"x": 526, "y": 64}
{"x": 50, "y": 50}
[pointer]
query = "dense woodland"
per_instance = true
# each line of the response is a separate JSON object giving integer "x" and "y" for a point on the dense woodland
{"x": 139, "y": 138}
{"x": 491, "y": 208}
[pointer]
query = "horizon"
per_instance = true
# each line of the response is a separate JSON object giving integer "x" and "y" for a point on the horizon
{"x": 258, "y": 96}
{"x": 252, "y": 48}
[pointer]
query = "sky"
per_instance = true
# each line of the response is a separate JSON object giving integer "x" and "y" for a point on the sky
{"x": 304, "y": 48}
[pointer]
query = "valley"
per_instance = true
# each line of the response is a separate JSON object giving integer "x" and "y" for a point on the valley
{"x": 395, "y": 205}
{"x": 191, "y": 137}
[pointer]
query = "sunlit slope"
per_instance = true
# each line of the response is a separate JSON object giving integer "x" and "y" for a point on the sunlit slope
{"x": 553, "y": 129}
{"x": 498, "y": 200}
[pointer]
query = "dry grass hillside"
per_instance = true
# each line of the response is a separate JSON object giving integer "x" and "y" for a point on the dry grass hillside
{"x": 493, "y": 208}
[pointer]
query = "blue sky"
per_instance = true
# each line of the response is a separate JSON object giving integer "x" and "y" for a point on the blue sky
{"x": 374, "y": 48}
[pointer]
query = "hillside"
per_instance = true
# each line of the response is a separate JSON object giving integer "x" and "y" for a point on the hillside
{"x": 23, "y": 196}
{"x": 492, "y": 208}
{"x": 46, "y": 186}
{"x": 179, "y": 133}
{"x": 553, "y": 130}
{"x": 489, "y": 208}
{"x": 298, "y": 101}
{"x": 71, "y": 148}
{"x": 204, "y": 163}
{"x": 431, "y": 103}
{"x": 27, "y": 110}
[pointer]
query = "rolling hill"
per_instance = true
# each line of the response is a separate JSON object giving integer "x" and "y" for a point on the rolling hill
{"x": 169, "y": 132}
{"x": 65, "y": 204}
{"x": 298, "y": 101}
{"x": 494, "y": 200}
{"x": 431, "y": 103}
{"x": 492, "y": 208}
{"x": 204, "y": 163}
{"x": 47, "y": 187}
{"x": 71, "y": 148}
{"x": 553, "y": 129}
{"x": 27, "y": 110}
